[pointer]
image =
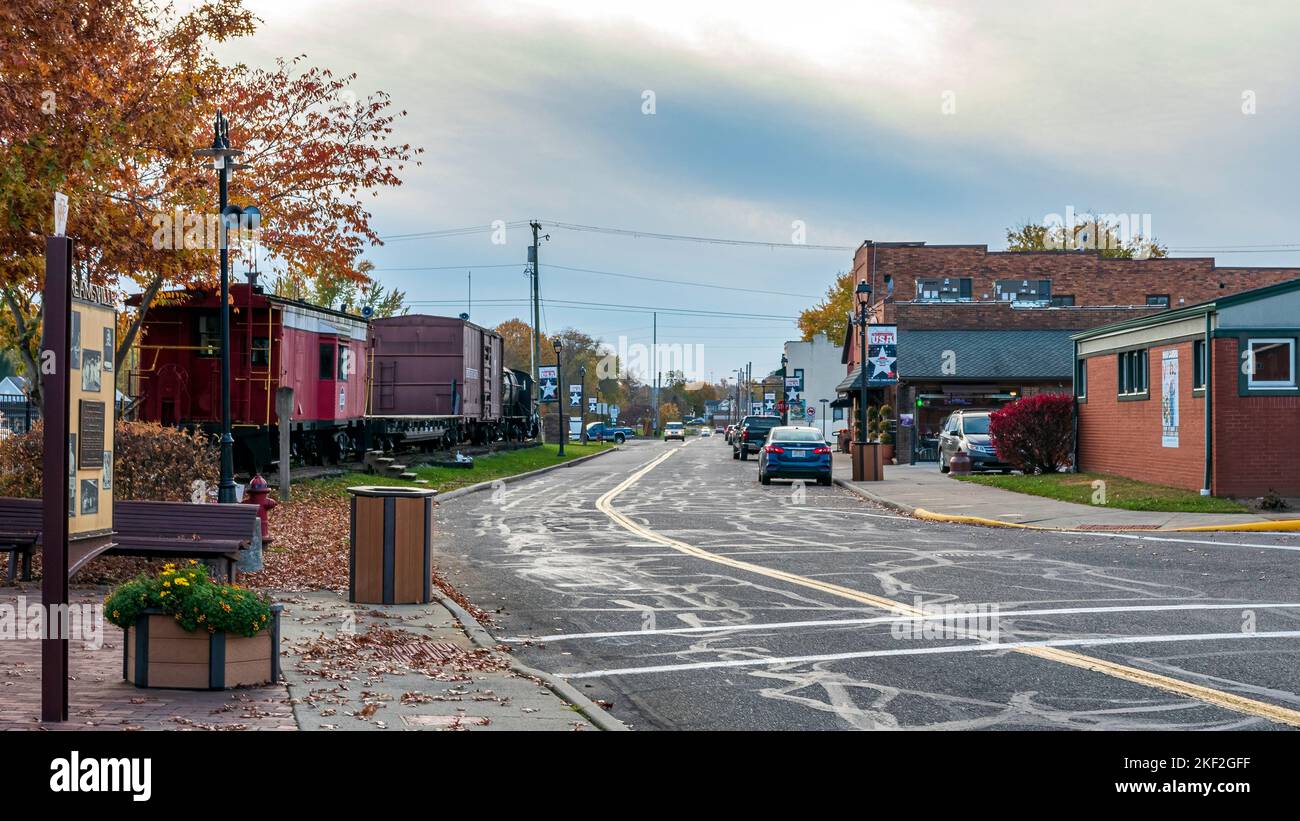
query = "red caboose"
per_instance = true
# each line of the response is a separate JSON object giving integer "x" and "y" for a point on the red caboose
{"x": 275, "y": 342}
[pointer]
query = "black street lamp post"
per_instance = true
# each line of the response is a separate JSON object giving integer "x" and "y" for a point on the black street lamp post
{"x": 560, "y": 397}
{"x": 864, "y": 296}
{"x": 222, "y": 156}
{"x": 582, "y": 405}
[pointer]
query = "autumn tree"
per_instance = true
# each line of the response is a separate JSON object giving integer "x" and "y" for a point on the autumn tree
{"x": 830, "y": 316}
{"x": 1108, "y": 235}
{"x": 105, "y": 100}
{"x": 517, "y": 337}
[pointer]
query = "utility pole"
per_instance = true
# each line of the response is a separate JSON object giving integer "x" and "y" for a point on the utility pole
{"x": 654, "y": 359}
{"x": 537, "y": 323}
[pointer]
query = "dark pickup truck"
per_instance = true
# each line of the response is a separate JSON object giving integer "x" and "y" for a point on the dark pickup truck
{"x": 749, "y": 437}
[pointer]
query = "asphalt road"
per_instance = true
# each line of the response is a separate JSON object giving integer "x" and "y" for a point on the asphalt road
{"x": 723, "y": 604}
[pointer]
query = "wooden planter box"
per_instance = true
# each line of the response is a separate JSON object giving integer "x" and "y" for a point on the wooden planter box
{"x": 158, "y": 652}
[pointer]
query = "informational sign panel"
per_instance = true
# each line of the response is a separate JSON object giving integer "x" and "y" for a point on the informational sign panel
{"x": 575, "y": 396}
{"x": 755, "y": 408}
{"x": 1169, "y": 399}
{"x": 882, "y": 354}
{"x": 548, "y": 380}
{"x": 93, "y": 326}
{"x": 592, "y": 405}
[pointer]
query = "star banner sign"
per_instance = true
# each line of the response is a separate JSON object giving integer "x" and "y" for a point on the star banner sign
{"x": 882, "y": 354}
{"x": 548, "y": 379}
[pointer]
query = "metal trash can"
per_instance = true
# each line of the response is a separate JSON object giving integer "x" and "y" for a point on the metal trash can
{"x": 390, "y": 555}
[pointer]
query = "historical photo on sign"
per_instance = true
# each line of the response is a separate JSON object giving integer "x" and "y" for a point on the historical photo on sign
{"x": 108, "y": 349}
{"x": 89, "y": 497}
{"x": 91, "y": 375}
{"x": 108, "y": 471}
{"x": 74, "y": 352}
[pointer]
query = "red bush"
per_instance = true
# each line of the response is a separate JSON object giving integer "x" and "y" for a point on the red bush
{"x": 1036, "y": 433}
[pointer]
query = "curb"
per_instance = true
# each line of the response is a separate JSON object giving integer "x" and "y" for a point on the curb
{"x": 1278, "y": 526}
{"x": 468, "y": 489}
{"x": 479, "y": 635}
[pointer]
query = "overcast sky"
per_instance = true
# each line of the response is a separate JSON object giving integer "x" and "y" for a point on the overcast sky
{"x": 942, "y": 122}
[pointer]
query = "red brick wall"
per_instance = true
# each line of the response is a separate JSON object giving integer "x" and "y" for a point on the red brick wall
{"x": 1255, "y": 437}
{"x": 973, "y": 316}
{"x": 1092, "y": 279}
{"x": 1123, "y": 437}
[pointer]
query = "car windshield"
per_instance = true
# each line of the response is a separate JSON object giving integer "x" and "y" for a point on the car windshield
{"x": 975, "y": 424}
{"x": 794, "y": 435}
{"x": 674, "y": 424}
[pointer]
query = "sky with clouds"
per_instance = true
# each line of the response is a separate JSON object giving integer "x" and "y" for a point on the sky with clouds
{"x": 889, "y": 120}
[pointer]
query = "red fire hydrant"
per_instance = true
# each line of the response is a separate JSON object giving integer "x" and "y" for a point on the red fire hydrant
{"x": 258, "y": 493}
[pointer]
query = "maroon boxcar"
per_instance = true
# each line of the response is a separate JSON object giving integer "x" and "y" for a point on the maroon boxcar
{"x": 436, "y": 378}
{"x": 275, "y": 342}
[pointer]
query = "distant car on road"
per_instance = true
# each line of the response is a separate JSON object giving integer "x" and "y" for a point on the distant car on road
{"x": 610, "y": 433}
{"x": 969, "y": 431}
{"x": 674, "y": 430}
{"x": 794, "y": 452}
{"x": 705, "y": 432}
{"x": 749, "y": 437}
{"x": 728, "y": 432}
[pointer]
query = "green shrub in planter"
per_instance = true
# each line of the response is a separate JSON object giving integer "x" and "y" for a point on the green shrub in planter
{"x": 194, "y": 600}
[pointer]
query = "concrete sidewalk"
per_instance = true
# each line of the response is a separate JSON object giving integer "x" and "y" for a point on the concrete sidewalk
{"x": 921, "y": 490}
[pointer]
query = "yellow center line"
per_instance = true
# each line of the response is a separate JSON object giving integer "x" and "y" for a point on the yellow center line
{"x": 1209, "y": 695}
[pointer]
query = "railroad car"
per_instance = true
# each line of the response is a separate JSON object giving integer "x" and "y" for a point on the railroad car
{"x": 274, "y": 342}
{"x": 416, "y": 380}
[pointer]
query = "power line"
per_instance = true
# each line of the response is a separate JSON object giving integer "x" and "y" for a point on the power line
{"x": 619, "y": 274}
{"x": 613, "y": 307}
{"x": 626, "y": 232}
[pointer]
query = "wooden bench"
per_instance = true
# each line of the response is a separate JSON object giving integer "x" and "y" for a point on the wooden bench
{"x": 20, "y": 528}
{"x": 151, "y": 529}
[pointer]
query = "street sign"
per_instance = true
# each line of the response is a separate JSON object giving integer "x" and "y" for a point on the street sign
{"x": 811, "y": 413}
{"x": 613, "y": 413}
{"x": 548, "y": 379}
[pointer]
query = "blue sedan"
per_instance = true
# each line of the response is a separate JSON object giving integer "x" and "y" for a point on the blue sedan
{"x": 795, "y": 453}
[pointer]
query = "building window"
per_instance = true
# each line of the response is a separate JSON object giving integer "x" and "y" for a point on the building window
{"x": 1158, "y": 300}
{"x": 1133, "y": 372}
{"x": 209, "y": 334}
{"x": 944, "y": 289}
{"x": 345, "y": 362}
{"x": 1081, "y": 378}
{"x": 261, "y": 357}
{"x": 1270, "y": 363}
{"x": 1063, "y": 301}
{"x": 327, "y": 360}
{"x": 1198, "y": 364}
{"x": 1025, "y": 291}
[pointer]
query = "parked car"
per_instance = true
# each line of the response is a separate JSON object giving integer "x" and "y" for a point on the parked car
{"x": 749, "y": 437}
{"x": 596, "y": 431}
{"x": 969, "y": 431}
{"x": 674, "y": 430}
{"x": 795, "y": 452}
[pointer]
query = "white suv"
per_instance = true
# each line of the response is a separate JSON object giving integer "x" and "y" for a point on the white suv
{"x": 674, "y": 430}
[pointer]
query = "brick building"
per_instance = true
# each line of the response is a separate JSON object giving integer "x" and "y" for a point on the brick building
{"x": 1148, "y": 390}
{"x": 996, "y": 298}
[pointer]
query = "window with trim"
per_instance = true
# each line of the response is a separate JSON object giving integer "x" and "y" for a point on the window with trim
{"x": 1063, "y": 301}
{"x": 1161, "y": 300}
{"x": 1081, "y": 378}
{"x": 1025, "y": 291}
{"x": 1270, "y": 363}
{"x": 327, "y": 360}
{"x": 1198, "y": 364}
{"x": 345, "y": 362}
{"x": 209, "y": 334}
{"x": 1133, "y": 372}
{"x": 944, "y": 289}
{"x": 261, "y": 355}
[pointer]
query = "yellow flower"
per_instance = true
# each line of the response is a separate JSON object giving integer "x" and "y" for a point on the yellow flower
{"x": 183, "y": 582}
{"x": 117, "y": 615}
{"x": 194, "y": 561}
{"x": 167, "y": 584}
{"x": 164, "y": 593}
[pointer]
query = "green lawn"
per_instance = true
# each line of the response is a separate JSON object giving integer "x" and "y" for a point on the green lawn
{"x": 486, "y": 468}
{"x": 1123, "y": 493}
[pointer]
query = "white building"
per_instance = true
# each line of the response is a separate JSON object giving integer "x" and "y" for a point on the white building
{"x": 822, "y": 369}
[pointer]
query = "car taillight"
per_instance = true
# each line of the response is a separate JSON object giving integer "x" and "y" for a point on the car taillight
{"x": 822, "y": 449}
{"x": 773, "y": 449}
{"x": 744, "y": 434}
